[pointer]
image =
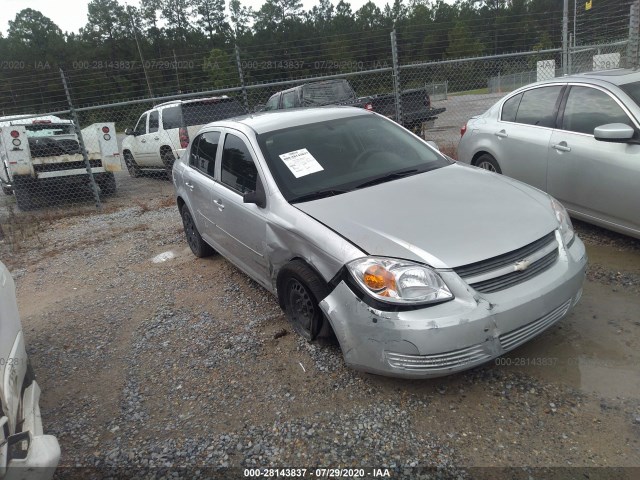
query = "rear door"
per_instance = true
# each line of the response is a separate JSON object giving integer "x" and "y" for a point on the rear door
{"x": 522, "y": 134}
{"x": 198, "y": 178}
{"x": 151, "y": 140}
{"x": 595, "y": 178}
{"x": 240, "y": 227}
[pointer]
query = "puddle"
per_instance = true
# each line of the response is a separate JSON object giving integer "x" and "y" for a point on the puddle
{"x": 164, "y": 256}
{"x": 594, "y": 349}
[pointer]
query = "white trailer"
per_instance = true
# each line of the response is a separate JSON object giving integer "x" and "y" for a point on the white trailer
{"x": 37, "y": 152}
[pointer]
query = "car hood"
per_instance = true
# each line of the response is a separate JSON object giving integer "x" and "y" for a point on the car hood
{"x": 447, "y": 217}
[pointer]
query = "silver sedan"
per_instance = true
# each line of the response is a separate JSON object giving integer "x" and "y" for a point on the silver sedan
{"x": 417, "y": 265}
{"x": 577, "y": 138}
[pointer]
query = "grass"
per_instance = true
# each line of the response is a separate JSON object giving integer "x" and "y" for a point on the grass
{"x": 477, "y": 91}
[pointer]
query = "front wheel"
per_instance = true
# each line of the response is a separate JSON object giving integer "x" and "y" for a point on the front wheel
{"x": 487, "y": 162}
{"x": 132, "y": 166}
{"x": 23, "y": 189}
{"x": 301, "y": 292}
{"x": 198, "y": 246}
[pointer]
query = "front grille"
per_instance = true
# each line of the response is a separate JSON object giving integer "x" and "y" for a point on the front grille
{"x": 494, "y": 263}
{"x": 514, "y": 278}
{"x": 505, "y": 279}
{"x": 56, "y": 167}
{"x": 520, "y": 335}
{"x": 426, "y": 363}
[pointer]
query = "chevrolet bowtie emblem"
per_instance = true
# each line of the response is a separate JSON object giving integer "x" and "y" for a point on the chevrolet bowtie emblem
{"x": 521, "y": 265}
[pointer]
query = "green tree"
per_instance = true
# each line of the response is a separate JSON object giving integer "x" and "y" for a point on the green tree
{"x": 212, "y": 17}
{"x": 462, "y": 43}
{"x": 240, "y": 17}
{"x": 36, "y": 36}
{"x": 220, "y": 67}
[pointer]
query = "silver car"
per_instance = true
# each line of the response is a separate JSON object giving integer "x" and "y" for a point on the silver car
{"x": 418, "y": 265}
{"x": 576, "y": 138}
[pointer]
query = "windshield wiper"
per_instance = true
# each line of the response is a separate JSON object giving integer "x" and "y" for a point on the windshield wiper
{"x": 389, "y": 177}
{"x": 316, "y": 195}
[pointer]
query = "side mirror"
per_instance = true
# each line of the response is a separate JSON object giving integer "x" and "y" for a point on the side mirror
{"x": 259, "y": 197}
{"x": 433, "y": 144}
{"x": 128, "y": 131}
{"x": 613, "y": 132}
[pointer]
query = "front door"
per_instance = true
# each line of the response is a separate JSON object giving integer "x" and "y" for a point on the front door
{"x": 595, "y": 178}
{"x": 240, "y": 227}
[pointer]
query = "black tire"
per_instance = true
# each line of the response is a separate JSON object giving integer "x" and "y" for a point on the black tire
{"x": 301, "y": 290}
{"x": 168, "y": 159}
{"x": 107, "y": 183}
{"x": 6, "y": 190}
{"x": 198, "y": 246}
{"x": 23, "y": 189}
{"x": 487, "y": 162}
{"x": 132, "y": 166}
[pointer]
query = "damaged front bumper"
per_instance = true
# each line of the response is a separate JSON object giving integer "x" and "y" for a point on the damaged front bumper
{"x": 457, "y": 335}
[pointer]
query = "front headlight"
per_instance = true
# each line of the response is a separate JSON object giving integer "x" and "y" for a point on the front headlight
{"x": 566, "y": 227}
{"x": 399, "y": 281}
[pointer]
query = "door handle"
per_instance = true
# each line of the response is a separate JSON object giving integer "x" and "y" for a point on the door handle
{"x": 501, "y": 134}
{"x": 156, "y": 138}
{"x": 562, "y": 147}
{"x": 143, "y": 141}
{"x": 189, "y": 185}
{"x": 219, "y": 204}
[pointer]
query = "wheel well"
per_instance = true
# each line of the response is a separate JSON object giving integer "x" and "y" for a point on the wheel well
{"x": 124, "y": 152}
{"x": 281, "y": 276}
{"x": 164, "y": 149}
{"x": 475, "y": 158}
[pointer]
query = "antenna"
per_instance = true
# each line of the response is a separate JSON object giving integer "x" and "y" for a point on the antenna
{"x": 135, "y": 35}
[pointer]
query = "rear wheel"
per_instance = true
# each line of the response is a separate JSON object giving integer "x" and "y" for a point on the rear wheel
{"x": 107, "y": 183}
{"x": 301, "y": 290}
{"x": 132, "y": 166}
{"x": 168, "y": 160}
{"x": 487, "y": 162}
{"x": 6, "y": 190}
{"x": 23, "y": 189}
{"x": 198, "y": 246}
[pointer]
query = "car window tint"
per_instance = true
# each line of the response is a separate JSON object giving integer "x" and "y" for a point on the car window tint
{"x": 205, "y": 111}
{"x": 588, "y": 108}
{"x": 633, "y": 90}
{"x": 203, "y": 152}
{"x": 141, "y": 127}
{"x": 154, "y": 121}
{"x": 171, "y": 118}
{"x": 238, "y": 170}
{"x": 272, "y": 104}
{"x": 537, "y": 106}
{"x": 510, "y": 108}
{"x": 289, "y": 99}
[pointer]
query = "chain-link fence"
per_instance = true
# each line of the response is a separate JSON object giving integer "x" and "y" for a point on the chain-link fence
{"x": 94, "y": 149}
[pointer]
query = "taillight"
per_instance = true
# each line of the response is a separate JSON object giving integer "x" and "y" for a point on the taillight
{"x": 184, "y": 137}
{"x": 368, "y": 106}
{"x": 15, "y": 134}
{"x": 463, "y": 130}
{"x": 105, "y": 129}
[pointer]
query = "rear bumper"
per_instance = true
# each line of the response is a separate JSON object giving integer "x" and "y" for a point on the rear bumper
{"x": 457, "y": 335}
{"x": 422, "y": 115}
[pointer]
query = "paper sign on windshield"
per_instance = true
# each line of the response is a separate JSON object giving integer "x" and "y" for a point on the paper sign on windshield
{"x": 301, "y": 163}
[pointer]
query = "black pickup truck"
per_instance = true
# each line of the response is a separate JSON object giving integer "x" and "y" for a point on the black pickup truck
{"x": 416, "y": 103}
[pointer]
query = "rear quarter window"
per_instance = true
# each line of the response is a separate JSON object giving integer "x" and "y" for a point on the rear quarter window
{"x": 171, "y": 118}
{"x": 510, "y": 108}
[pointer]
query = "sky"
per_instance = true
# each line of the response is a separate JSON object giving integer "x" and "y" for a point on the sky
{"x": 70, "y": 15}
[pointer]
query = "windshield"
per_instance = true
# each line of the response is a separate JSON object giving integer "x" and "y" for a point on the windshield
{"x": 337, "y": 156}
{"x": 49, "y": 130}
{"x": 633, "y": 90}
{"x": 326, "y": 93}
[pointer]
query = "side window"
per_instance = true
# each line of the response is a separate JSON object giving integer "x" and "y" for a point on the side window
{"x": 171, "y": 118}
{"x": 141, "y": 127}
{"x": 203, "y": 152}
{"x": 538, "y": 106}
{"x": 289, "y": 99}
{"x": 272, "y": 104}
{"x": 588, "y": 108}
{"x": 154, "y": 121}
{"x": 510, "y": 108}
{"x": 238, "y": 170}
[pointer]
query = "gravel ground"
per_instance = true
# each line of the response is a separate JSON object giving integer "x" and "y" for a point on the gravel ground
{"x": 146, "y": 367}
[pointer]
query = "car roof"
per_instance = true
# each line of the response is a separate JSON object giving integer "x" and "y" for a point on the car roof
{"x": 194, "y": 100}
{"x": 263, "y": 122}
{"x": 618, "y": 76}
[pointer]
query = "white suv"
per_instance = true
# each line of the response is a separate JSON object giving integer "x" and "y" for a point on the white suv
{"x": 163, "y": 133}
